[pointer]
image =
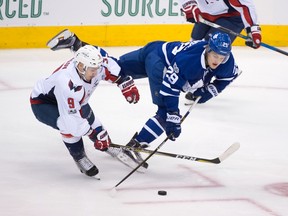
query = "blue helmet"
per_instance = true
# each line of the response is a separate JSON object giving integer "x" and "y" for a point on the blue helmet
{"x": 220, "y": 43}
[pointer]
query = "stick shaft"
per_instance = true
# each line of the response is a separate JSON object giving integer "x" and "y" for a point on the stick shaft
{"x": 234, "y": 147}
{"x": 167, "y": 154}
{"x": 159, "y": 146}
{"x": 214, "y": 25}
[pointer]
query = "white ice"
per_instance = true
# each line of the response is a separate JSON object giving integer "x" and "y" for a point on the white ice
{"x": 38, "y": 176}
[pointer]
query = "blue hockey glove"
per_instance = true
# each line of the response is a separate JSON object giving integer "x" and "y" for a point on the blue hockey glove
{"x": 173, "y": 127}
{"x": 206, "y": 93}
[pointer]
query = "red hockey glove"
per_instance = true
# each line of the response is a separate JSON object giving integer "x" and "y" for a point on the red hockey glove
{"x": 192, "y": 13}
{"x": 254, "y": 34}
{"x": 129, "y": 90}
{"x": 101, "y": 139}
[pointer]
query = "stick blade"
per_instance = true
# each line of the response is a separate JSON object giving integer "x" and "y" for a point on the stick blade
{"x": 233, "y": 148}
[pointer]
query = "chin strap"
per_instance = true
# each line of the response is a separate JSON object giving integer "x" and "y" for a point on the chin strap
{"x": 82, "y": 74}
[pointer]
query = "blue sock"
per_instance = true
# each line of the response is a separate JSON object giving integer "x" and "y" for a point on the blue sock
{"x": 152, "y": 129}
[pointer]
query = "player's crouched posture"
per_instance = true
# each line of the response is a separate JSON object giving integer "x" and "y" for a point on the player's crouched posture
{"x": 61, "y": 100}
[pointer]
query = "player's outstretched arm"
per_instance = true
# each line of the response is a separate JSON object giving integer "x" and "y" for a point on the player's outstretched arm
{"x": 128, "y": 89}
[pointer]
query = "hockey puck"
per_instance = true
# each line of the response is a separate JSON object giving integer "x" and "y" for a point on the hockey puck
{"x": 162, "y": 193}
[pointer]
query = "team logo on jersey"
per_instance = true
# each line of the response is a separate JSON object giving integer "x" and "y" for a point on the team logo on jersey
{"x": 74, "y": 87}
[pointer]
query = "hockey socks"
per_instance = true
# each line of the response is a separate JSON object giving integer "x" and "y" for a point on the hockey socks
{"x": 151, "y": 131}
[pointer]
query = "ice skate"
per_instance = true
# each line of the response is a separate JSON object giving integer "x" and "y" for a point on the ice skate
{"x": 87, "y": 167}
{"x": 64, "y": 40}
{"x": 124, "y": 158}
{"x": 134, "y": 155}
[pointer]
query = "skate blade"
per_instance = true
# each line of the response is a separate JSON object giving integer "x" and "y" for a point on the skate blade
{"x": 97, "y": 177}
{"x": 123, "y": 158}
{"x": 60, "y": 36}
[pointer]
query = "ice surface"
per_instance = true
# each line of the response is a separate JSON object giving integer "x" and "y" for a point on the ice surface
{"x": 38, "y": 177}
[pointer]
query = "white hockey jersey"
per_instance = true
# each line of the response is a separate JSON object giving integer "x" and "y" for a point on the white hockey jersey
{"x": 214, "y": 9}
{"x": 70, "y": 92}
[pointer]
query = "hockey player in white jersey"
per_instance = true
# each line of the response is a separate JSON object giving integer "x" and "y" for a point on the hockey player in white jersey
{"x": 232, "y": 14}
{"x": 61, "y": 100}
{"x": 235, "y": 15}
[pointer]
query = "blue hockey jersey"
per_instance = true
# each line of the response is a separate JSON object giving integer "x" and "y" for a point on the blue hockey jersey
{"x": 188, "y": 71}
{"x": 172, "y": 67}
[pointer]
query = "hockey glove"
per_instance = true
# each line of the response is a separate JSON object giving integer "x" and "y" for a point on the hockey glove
{"x": 129, "y": 90}
{"x": 189, "y": 98}
{"x": 101, "y": 139}
{"x": 173, "y": 127}
{"x": 206, "y": 93}
{"x": 254, "y": 34}
{"x": 192, "y": 13}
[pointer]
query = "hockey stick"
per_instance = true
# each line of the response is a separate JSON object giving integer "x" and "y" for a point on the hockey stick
{"x": 233, "y": 148}
{"x": 113, "y": 191}
{"x": 214, "y": 25}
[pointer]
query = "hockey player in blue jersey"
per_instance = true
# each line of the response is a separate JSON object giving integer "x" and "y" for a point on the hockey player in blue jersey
{"x": 235, "y": 15}
{"x": 204, "y": 68}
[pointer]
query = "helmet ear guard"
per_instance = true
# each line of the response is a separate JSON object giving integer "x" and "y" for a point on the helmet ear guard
{"x": 220, "y": 43}
{"x": 89, "y": 56}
